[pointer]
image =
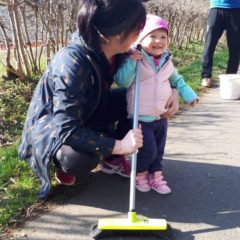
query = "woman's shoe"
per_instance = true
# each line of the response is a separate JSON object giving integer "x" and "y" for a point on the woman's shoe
{"x": 158, "y": 184}
{"x": 64, "y": 179}
{"x": 117, "y": 165}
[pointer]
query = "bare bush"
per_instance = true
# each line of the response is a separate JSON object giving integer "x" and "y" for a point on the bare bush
{"x": 186, "y": 19}
{"x": 35, "y": 27}
{"x": 32, "y": 28}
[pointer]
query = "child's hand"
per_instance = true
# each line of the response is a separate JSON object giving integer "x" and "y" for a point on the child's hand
{"x": 136, "y": 55}
{"x": 194, "y": 102}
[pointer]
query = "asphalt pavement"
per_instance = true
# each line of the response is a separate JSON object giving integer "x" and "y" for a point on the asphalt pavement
{"x": 202, "y": 166}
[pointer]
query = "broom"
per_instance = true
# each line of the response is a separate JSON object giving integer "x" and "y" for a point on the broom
{"x": 132, "y": 226}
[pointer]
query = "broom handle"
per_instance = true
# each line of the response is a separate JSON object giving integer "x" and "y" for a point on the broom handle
{"x": 134, "y": 155}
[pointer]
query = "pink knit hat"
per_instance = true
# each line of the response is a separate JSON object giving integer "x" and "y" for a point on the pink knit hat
{"x": 153, "y": 22}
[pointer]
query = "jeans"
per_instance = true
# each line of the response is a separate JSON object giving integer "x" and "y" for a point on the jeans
{"x": 220, "y": 19}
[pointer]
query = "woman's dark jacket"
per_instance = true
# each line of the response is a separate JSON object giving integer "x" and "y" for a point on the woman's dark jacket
{"x": 65, "y": 97}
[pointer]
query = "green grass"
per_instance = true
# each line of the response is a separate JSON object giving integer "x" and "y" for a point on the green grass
{"x": 18, "y": 184}
{"x": 2, "y": 68}
{"x": 188, "y": 63}
{"x": 14, "y": 101}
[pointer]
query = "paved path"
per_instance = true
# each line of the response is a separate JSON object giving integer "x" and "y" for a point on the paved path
{"x": 202, "y": 166}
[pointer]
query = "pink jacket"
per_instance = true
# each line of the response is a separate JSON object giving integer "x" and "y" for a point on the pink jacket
{"x": 154, "y": 90}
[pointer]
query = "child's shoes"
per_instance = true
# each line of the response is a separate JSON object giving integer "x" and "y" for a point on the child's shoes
{"x": 142, "y": 184}
{"x": 157, "y": 183}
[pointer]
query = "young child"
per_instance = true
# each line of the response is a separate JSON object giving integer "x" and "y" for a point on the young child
{"x": 157, "y": 78}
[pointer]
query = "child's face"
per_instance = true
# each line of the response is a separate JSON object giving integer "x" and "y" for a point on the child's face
{"x": 156, "y": 42}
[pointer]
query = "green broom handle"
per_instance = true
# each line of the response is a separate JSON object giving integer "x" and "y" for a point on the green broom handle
{"x": 134, "y": 155}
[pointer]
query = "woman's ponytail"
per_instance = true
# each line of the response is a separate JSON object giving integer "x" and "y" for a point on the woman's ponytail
{"x": 85, "y": 25}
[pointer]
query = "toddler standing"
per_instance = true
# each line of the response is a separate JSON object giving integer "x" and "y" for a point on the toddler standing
{"x": 157, "y": 78}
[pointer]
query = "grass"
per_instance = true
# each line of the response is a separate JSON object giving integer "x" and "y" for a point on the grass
{"x": 2, "y": 68}
{"x": 18, "y": 184}
{"x": 188, "y": 63}
{"x": 14, "y": 100}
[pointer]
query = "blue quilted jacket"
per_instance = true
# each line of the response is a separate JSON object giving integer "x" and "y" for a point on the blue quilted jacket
{"x": 64, "y": 99}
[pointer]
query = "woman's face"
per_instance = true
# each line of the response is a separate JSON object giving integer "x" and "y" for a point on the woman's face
{"x": 156, "y": 42}
{"x": 118, "y": 44}
{"x": 125, "y": 43}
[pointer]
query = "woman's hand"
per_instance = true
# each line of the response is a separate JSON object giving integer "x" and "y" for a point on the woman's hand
{"x": 172, "y": 105}
{"x": 130, "y": 143}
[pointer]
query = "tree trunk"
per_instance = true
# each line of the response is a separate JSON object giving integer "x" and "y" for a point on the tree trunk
{"x": 15, "y": 42}
{"x": 28, "y": 40}
{"x": 19, "y": 36}
{"x": 9, "y": 68}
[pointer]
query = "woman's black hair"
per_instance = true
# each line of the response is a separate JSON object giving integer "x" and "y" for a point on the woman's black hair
{"x": 108, "y": 18}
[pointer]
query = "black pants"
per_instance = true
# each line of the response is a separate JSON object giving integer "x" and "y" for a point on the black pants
{"x": 150, "y": 156}
{"x": 110, "y": 119}
{"x": 220, "y": 19}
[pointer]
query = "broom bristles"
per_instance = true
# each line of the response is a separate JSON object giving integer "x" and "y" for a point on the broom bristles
{"x": 97, "y": 233}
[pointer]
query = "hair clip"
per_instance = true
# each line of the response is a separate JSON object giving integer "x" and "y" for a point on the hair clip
{"x": 101, "y": 35}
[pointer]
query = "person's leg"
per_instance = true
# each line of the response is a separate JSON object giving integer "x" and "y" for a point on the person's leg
{"x": 214, "y": 30}
{"x": 75, "y": 163}
{"x": 146, "y": 155}
{"x": 233, "y": 39}
{"x": 111, "y": 119}
{"x": 117, "y": 112}
{"x": 71, "y": 163}
{"x": 148, "y": 152}
{"x": 156, "y": 180}
{"x": 160, "y": 136}
{"x": 113, "y": 122}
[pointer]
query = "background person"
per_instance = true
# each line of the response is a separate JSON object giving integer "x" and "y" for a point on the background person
{"x": 223, "y": 15}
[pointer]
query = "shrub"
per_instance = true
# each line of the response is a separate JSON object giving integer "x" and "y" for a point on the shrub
{"x": 15, "y": 96}
{"x": 186, "y": 20}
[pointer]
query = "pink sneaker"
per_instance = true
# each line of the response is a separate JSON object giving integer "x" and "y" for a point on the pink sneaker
{"x": 64, "y": 179}
{"x": 119, "y": 165}
{"x": 142, "y": 184}
{"x": 158, "y": 184}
